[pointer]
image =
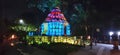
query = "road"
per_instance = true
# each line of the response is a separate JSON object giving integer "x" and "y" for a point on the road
{"x": 108, "y": 49}
{"x": 99, "y": 49}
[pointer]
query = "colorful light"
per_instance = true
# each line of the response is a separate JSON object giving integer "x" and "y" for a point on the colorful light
{"x": 56, "y": 24}
{"x": 54, "y": 39}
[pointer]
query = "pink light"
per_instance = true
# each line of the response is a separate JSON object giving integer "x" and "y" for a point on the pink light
{"x": 55, "y": 13}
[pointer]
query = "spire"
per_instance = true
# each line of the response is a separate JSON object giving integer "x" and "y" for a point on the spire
{"x": 55, "y": 15}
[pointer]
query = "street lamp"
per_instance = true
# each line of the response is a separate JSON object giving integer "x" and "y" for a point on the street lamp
{"x": 118, "y": 34}
{"x": 21, "y": 21}
{"x": 111, "y": 33}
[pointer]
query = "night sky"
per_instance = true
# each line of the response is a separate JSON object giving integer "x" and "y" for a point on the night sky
{"x": 12, "y": 8}
{"x": 107, "y": 12}
{"x": 106, "y": 9}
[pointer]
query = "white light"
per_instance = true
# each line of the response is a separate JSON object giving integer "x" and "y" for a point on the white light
{"x": 12, "y": 44}
{"x": 88, "y": 37}
{"x": 118, "y": 33}
{"x": 111, "y": 33}
{"x": 98, "y": 30}
{"x": 21, "y": 21}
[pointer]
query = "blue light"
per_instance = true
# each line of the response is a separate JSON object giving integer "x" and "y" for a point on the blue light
{"x": 60, "y": 26}
{"x": 30, "y": 33}
{"x": 47, "y": 33}
{"x": 54, "y": 31}
{"x": 68, "y": 27}
{"x": 68, "y": 32}
{"x": 50, "y": 32}
{"x": 53, "y": 26}
{"x": 56, "y": 28}
{"x": 62, "y": 32}
{"x": 57, "y": 32}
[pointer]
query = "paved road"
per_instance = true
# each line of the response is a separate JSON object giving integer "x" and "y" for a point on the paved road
{"x": 99, "y": 49}
{"x": 108, "y": 49}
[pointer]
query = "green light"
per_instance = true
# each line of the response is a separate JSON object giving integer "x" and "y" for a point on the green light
{"x": 31, "y": 42}
{"x": 48, "y": 42}
{"x": 39, "y": 42}
{"x": 27, "y": 37}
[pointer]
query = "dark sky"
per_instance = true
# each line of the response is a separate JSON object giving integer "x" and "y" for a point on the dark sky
{"x": 108, "y": 10}
{"x": 107, "y": 4}
{"x": 11, "y": 8}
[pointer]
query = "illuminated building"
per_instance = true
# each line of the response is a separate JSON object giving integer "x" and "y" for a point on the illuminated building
{"x": 55, "y": 24}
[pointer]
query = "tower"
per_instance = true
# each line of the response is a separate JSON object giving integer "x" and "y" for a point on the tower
{"x": 55, "y": 24}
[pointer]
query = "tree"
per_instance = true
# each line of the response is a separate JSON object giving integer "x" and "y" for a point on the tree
{"x": 74, "y": 11}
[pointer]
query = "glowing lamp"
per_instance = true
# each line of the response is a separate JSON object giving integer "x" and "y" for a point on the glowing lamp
{"x": 12, "y": 44}
{"x": 88, "y": 37}
{"x": 118, "y": 33}
{"x": 21, "y": 21}
{"x": 111, "y": 33}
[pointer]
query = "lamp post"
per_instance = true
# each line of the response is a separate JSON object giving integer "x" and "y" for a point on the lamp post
{"x": 21, "y": 21}
{"x": 110, "y": 38}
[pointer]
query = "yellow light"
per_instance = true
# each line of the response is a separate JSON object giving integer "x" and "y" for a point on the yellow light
{"x": 13, "y": 36}
{"x": 66, "y": 23}
{"x": 29, "y": 43}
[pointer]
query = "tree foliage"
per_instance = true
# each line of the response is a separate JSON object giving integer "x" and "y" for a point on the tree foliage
{"x": 25, "y": 28}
